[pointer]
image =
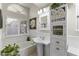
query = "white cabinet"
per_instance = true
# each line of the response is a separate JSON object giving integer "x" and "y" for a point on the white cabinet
{"x": 58, "y": 45}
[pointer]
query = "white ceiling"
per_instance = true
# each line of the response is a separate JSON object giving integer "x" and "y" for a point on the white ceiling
{"x": 26, "y": 4}
{"x": 39, "y": 5}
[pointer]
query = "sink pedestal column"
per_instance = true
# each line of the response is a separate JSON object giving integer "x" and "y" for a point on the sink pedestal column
{"x": 40, "y": 49}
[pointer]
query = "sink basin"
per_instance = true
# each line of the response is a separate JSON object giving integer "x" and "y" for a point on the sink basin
{"x": 39, "y": 40}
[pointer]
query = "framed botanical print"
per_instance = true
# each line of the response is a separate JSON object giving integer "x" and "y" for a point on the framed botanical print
{"x": 32, "y": 23}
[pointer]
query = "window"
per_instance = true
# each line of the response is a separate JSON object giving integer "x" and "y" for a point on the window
{"x": 77, "y": 14}
{"x": 14, "y": 27}
{"x": 11, "y": 26}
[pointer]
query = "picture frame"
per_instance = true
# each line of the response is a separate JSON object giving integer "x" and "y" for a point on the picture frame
{"x": 23, "y": 27}
{"x": 1, "y": 19}
{"x": 32, "y": 23}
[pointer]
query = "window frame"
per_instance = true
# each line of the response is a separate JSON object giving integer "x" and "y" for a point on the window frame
{"x": 77, "y": 16}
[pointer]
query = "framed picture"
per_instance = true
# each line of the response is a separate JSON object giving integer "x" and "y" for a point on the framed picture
{"x": 23, "y": 27}
{"x": 32, "y": 23}
{"x": 1, "y": 20}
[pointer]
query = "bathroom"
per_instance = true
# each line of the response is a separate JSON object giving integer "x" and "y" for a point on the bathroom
{"x": 23, "y": 25}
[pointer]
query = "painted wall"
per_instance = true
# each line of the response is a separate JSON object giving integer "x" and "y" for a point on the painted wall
{"x": 71, "y": 23}
{"x": 73, "y": 34}
{"x": 72, "y": 20}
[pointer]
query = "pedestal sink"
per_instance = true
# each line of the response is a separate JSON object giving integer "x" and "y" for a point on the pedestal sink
{"x": 41, "y": 42}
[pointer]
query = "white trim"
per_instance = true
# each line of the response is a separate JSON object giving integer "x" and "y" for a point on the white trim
{"x": 72, "y": 36}
{"x": 15, "y": 36}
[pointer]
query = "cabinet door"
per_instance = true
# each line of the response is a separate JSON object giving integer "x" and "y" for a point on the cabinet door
{"x": 58, "y": 46}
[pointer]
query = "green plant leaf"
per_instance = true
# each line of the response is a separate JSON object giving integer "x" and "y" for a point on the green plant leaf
{"x": 10, "y": 50}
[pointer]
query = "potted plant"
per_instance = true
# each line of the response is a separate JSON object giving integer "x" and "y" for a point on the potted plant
{"x": 55, "y": 5}
{"x": 10, "y": 50}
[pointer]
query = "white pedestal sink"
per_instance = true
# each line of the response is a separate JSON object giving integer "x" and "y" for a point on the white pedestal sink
{"x": 40, "y": 43}
{"x": 42, "y": 40}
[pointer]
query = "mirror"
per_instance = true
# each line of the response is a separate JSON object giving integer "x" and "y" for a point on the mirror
{"x": 44, "y": 22}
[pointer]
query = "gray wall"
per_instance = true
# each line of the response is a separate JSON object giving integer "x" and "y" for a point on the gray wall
{"x": 72, "y": 20}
